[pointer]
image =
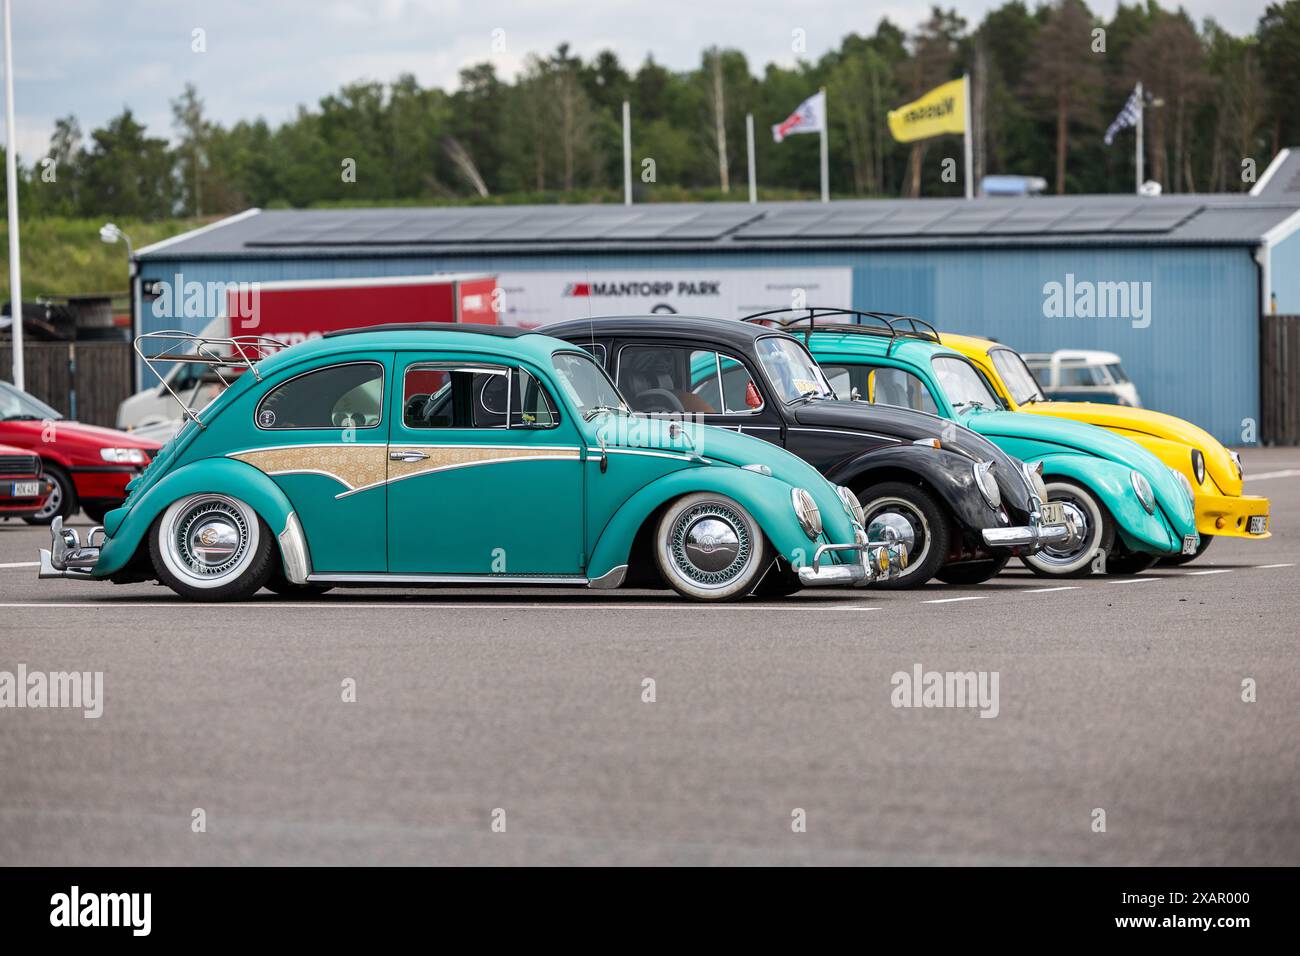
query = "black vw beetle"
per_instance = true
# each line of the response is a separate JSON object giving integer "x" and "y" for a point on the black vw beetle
{"x": 962, "y": 506}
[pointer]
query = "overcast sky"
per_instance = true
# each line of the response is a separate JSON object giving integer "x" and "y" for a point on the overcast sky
{"x": 265, "y": 57}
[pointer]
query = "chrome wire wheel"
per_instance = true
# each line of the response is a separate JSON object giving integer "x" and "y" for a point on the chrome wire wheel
{"x": 208, "y": 540}
{"x": 710, "y": 545}
{"x": 709, "y": 548}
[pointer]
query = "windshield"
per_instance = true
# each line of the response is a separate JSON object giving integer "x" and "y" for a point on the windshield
{"x": 16, "y": 405}
{"x": 586, "y": 384}
{"x": 791, "y": 370}
{"x": 1020, "y": 382}
{"x": 962, "y": 384}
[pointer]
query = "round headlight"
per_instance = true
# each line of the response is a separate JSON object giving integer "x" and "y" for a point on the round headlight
{"x": 852, "y": 505}
{"x": 988, "y": 485}
{"x": 1187, "y": 486}
{"x": 1198, "y": 465}
{"x": 1142, "y": 488}
{"x": 806, "y": 510}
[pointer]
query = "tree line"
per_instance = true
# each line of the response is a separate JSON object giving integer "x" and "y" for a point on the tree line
{"x": 1046, "y": 82}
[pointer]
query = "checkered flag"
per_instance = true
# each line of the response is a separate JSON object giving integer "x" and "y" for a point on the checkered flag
{"x": 1127, "y": 117}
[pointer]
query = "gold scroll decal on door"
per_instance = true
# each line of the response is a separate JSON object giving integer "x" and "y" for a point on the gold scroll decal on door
{"x": 360, "y": 467}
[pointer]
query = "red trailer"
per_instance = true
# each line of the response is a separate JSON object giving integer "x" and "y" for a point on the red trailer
{"x": 295, "y": 310}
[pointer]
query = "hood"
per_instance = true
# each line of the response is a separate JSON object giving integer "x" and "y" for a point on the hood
{"x": 1089, "y": 440}
{"x": 1142, "y": 421}
{"x": 87, "y": 435}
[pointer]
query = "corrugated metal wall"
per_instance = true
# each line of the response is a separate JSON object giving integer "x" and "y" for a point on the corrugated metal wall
{"x": 1198, "y": 358}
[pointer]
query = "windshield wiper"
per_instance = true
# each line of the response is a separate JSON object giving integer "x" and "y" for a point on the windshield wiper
{"x": 20, "y": 418}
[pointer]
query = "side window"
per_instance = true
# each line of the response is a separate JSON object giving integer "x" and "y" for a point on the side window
{"x": 596, "y": 350}
{"x": 434, "y": 396}
{"x": 339, "y": 396}
{"x": 658, "y": 379}
{"x": 897, "y": 387}
{"x": 848, "y": 381}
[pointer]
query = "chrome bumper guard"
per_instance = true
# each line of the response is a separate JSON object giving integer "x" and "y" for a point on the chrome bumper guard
{"x": 880, "y": 559}
{"x": 66, "y": 556}
{"x": 1035, "y": 536}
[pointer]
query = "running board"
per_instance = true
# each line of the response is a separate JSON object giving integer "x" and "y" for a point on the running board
{"x": 612, "y": 579}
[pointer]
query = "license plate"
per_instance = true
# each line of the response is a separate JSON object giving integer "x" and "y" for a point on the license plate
{"x": 26, "y": 489}
{"x": 1258, "y": 524}
{"x": 1190, "y": 543}
{"x": 1053, "y": 513}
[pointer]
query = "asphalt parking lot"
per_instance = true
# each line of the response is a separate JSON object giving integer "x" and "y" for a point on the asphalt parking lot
{"x": 1119, "y": 694}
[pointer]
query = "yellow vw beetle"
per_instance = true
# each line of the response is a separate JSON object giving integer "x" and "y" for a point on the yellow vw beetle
{"x": 1213, "y": 471}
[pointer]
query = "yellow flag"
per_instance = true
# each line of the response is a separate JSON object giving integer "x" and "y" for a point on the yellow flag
{"x": 942, "y": 110}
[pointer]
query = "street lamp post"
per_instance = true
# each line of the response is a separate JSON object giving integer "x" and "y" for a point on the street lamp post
{"x": 11, "y": 183}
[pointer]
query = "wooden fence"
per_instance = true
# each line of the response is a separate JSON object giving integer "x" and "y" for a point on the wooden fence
{"x": 81, "y": 380}
{"x": 1279, "y": 376}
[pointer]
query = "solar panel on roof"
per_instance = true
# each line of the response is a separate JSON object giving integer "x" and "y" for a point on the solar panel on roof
{"x": 1158, "y": 217}
{"x": 1088, "y": 219}
{"x": 967, "y": 221}
{"x": 905, "y": 222}
{"x": 711, "y": 224}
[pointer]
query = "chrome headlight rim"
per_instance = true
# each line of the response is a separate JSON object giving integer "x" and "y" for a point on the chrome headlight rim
{"x": 1236, "y": 460}
{"x": 987, "y": 484}
{"x": 1034, "y": 475}
{"x": 1198, "y": 465}
{"x": 1142, "y": 488}
{"x": 1186, "y": 484}
{"x": 852, "y": 505}
{"x": 807, "y": 512}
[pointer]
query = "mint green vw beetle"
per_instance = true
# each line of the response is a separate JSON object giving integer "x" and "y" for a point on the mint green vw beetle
{"x": 458, "y": 455}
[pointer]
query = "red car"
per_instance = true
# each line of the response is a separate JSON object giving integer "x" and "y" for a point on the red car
{"x": 87, "y": 466}
{"x": 23, "y": 488}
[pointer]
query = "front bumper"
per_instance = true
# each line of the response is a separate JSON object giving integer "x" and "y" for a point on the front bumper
{"x": 1230, "y": 515}
{"x": 1033, "y": 537}
{"x": 67, "y": 557}
{"x": 876, "y": 560}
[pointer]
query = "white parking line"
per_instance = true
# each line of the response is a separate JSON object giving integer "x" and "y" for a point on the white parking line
{"x": 1265, "y": 567}
{"x": 1214, "y": 571}
{"x": 1266, "y": 475}
{"x": 1067, "y": 587}
{"x": 22, "y": 564}
{"x": 951, "y": 600}
{"x": 272, "y": 605}
{"x": 1133, "y": 581}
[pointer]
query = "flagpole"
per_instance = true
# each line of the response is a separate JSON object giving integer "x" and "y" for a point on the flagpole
{"x": 966, "y": 137}
{"x": 749, "y": 146}
{"x": 826, "y": 121}
{"x": 1141, "y": 119}
{"x": 627, "y": 153}
{"x": 11, "y": 181}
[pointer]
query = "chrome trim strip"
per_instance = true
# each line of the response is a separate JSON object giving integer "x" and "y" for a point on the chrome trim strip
{"x": 610, "y": 579}
{"x": 383, "y": 578}
{"x": 844, "y": 431}
{"x": 293, "y": 549}
{"x": 650, "y": 454}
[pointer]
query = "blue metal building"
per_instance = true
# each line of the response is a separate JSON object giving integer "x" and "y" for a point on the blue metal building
{"x": 1175, "y": 285}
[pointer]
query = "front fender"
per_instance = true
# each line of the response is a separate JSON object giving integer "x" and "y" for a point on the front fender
{"x": 1111, "y": 483}
{"x": 951, "y": 475}
{"x": 221, "y": 475}
{"x": 766, "y": 498}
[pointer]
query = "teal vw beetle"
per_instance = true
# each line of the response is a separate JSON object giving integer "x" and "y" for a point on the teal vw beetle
{"x": 458, "y": 455}
{"x": 1125, "y": 502}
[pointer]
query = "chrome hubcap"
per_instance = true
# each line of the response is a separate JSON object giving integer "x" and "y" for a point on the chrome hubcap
{"x": 908, "y": 526}
{"x": 1070, "y": 549}
{"x": 211, "y": 537}
{"x": 891, "y": 521}
{"x": 710, "y": 545}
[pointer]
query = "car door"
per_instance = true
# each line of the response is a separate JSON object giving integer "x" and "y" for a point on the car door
{"x": 696, "y": 381}
{"x": 484, "y": 474}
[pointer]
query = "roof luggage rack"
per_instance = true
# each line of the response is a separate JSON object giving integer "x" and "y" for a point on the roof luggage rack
{"x": 891, "y": 324}
{"x": 240, "y": 352}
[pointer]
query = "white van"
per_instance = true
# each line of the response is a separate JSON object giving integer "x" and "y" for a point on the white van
{"x": 1083, "y": 375}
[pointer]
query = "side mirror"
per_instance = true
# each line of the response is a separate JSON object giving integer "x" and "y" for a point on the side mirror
{"x": 871, "y": 386}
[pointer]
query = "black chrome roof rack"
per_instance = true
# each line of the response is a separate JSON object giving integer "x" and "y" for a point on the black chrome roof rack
{"x": 890, "y": 324}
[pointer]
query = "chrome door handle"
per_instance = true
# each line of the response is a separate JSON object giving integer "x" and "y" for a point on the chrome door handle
{"x": 407, "y": 456}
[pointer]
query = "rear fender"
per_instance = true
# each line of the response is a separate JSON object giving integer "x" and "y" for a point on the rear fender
{"x": 218, "y": 475}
